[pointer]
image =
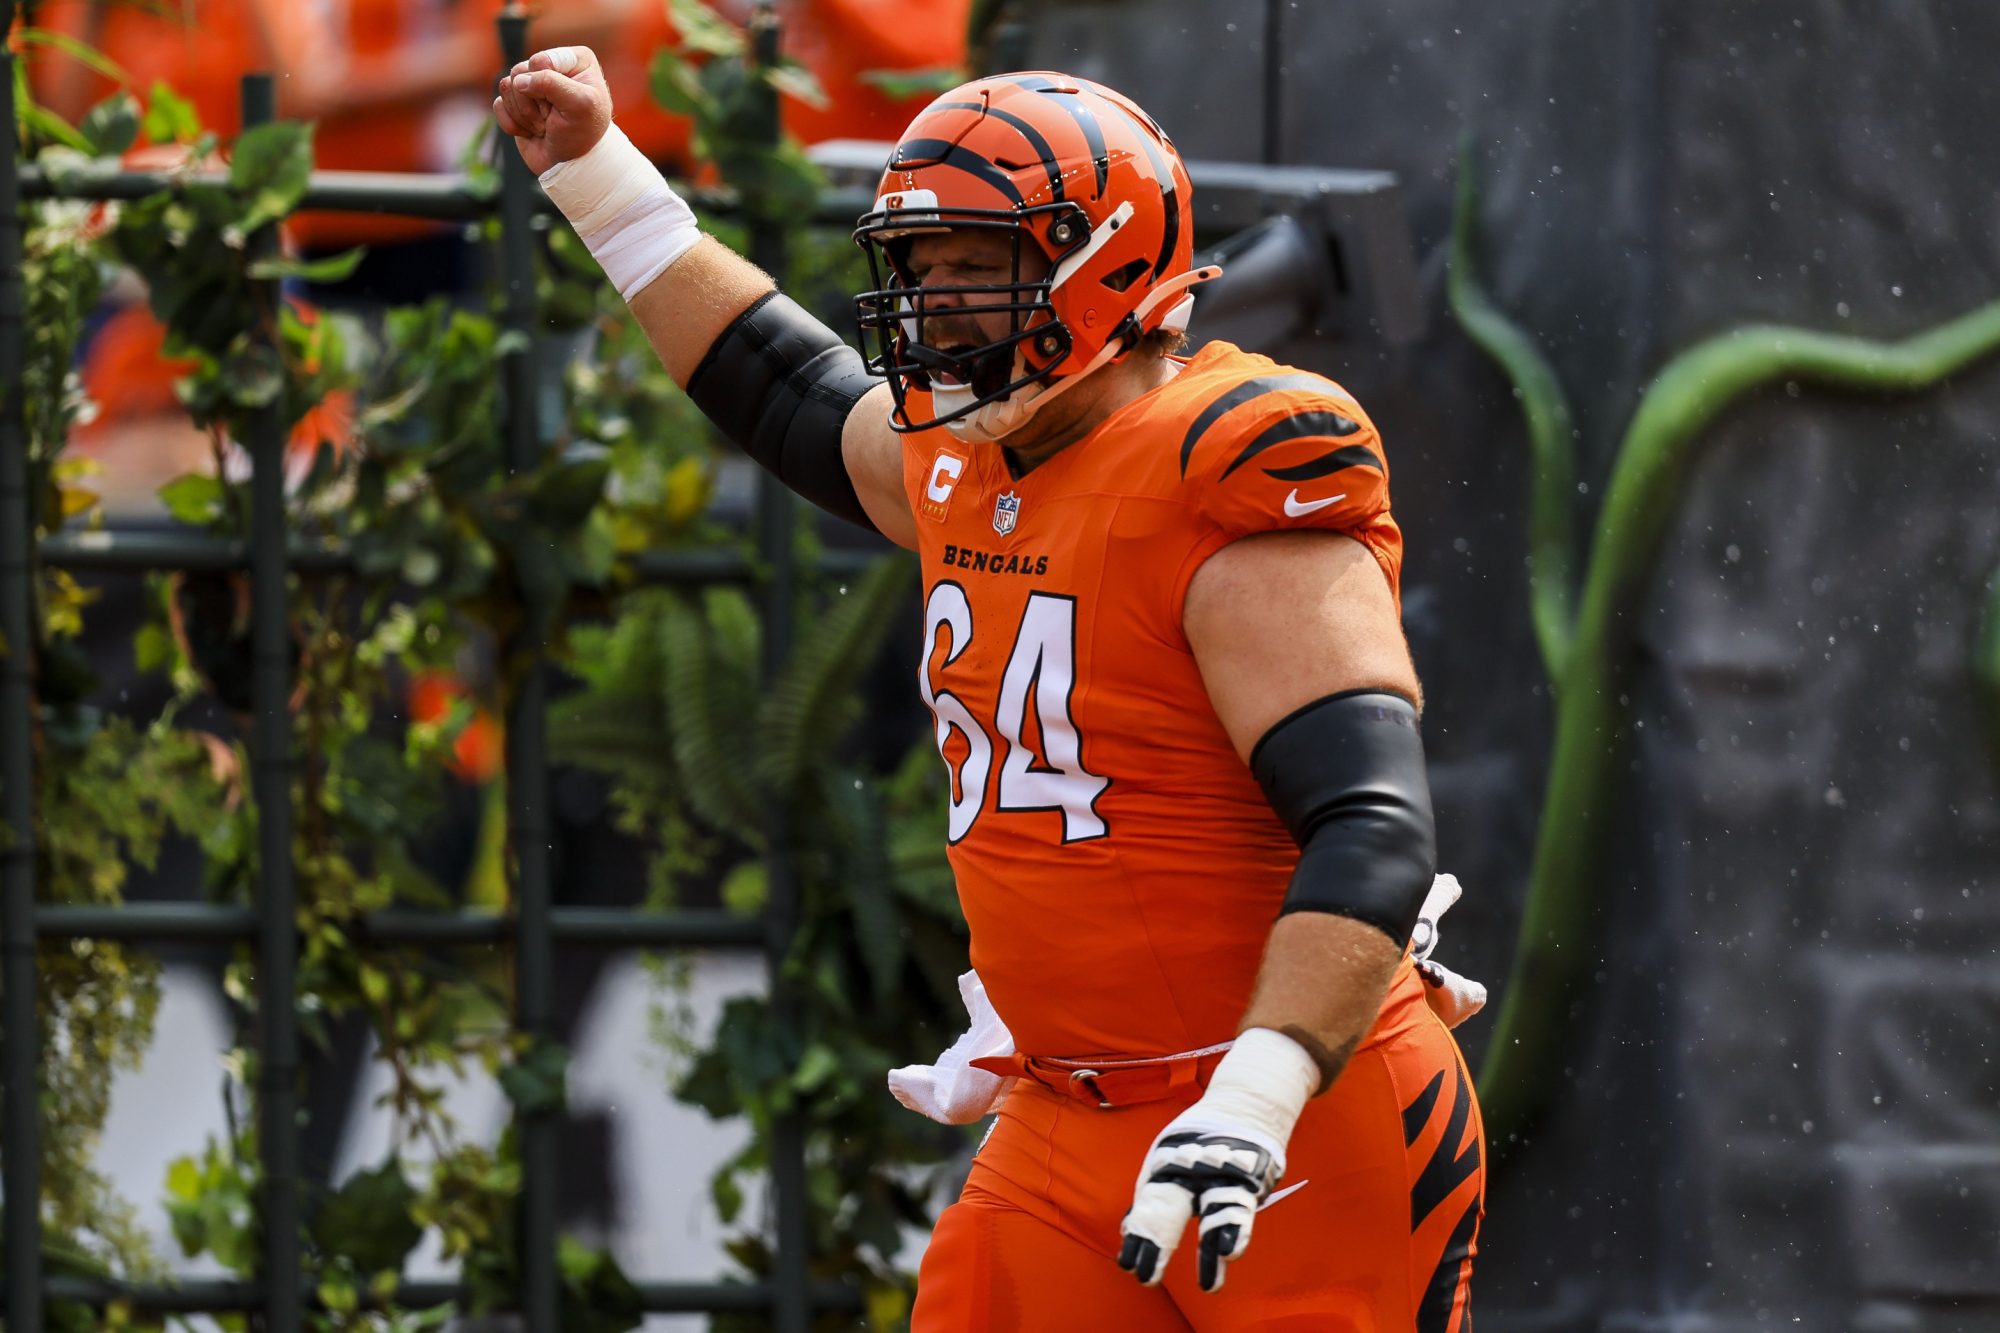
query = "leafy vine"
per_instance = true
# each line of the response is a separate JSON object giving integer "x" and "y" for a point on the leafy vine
{"x": 395, "y": 458}
{"x": 109, "y": 791}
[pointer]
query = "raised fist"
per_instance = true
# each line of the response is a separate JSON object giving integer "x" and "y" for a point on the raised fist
{"x": 555, "y": 104}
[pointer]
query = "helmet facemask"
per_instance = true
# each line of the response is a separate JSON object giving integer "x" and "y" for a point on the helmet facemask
{"x": 963, "y": 376}
{"x": 1063, "y": 165}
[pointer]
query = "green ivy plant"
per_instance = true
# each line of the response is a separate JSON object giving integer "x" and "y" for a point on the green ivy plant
{"x": 450, "y": 552}
{"x": 713, "y": 77}
{"x": 446, "y": 546}
{"x": 698, "y": 752}
{"x": 672, "y": 712}
{"x": 109, "y": 791}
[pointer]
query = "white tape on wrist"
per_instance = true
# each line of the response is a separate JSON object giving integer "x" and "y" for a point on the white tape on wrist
{"x": 1262, "y": 1085}
{"x": 627, "y": 216}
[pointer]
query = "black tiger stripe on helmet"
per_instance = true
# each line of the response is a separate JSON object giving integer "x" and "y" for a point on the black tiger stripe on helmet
{"x": 1084, "y": 118}
{"x": 1038, "y": 145}
{"x": 928, "y": 152}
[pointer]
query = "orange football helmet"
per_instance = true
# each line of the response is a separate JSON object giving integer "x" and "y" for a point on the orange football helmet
{"x": 1057, "y": 162}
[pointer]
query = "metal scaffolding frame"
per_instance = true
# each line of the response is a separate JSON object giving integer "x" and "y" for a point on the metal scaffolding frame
{"x": 536, "y": 925}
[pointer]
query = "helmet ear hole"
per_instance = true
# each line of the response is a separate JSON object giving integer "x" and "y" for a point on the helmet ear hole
{"x": 1119, "y": 279}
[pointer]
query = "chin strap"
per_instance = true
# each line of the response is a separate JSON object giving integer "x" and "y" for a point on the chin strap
{"x": 1001, "y": 418}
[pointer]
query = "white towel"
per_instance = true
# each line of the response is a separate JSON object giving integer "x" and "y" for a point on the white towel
{"x": 951, "y": 1091}
{"x": 1452, "y": 997}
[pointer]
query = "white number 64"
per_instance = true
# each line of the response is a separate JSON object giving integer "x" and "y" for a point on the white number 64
{"x": 1044, "y": 658}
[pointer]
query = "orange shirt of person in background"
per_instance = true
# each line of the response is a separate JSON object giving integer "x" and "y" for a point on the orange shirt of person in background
{"x": 382, "y": 76}
{"x": 402, "y": 85}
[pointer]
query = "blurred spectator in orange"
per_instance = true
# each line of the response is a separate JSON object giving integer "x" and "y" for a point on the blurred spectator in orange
{"x": 401, "y": 85}
{"x": 139, "y": 423}
{"x": 476, "y": 755}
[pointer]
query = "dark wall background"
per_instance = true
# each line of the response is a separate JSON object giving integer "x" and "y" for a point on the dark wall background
{"x": 1781, "y": 1105}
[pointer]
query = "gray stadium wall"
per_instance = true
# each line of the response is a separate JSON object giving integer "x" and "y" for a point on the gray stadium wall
{"x": 1779, "y": 1102}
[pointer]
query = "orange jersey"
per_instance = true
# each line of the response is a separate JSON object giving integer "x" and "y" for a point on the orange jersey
{"x": 1118, "y": 864}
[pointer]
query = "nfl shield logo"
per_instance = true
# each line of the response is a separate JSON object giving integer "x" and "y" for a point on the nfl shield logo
{"x": 1006, "y": 510}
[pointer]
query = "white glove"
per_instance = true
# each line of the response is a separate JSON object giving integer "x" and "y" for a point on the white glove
{"x": 951, "y": 1091}
{"x": 1219, "y": 1159}
{"x": 1452, "y": 997}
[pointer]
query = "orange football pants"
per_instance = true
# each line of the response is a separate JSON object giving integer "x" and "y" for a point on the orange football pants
{"x": 1373, "y": 1230}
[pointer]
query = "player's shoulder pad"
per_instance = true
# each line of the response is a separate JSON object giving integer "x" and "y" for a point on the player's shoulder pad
{"x": 1274, "y": 448}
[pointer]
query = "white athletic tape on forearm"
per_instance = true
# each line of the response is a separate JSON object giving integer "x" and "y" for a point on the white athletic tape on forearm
{"x": 1263, "y": 1084}
{"x": 593, "y": 189}
{"x": 628, "y": 217}
{"x": 637, "y": 246}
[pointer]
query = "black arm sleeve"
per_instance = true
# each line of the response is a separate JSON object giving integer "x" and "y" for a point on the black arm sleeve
{"x": 1346, "y": 774}
{"x": 779, "y": 384}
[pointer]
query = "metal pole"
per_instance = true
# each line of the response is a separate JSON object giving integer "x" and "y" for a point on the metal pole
{"x": 792, "y": 1299}
{"x": 271, "y": 776}
{"x": 224, "y": 1296}
{"x": 1274, "y": 81}
{"x": 401, "y": 193}
{"x": 20, "y": 1131}
{"x": 610, "y": 928}
{"x": 135, "y": 550}
{"x": 527, "y": 746}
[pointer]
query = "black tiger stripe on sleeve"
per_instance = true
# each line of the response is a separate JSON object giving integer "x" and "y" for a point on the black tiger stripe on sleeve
{"x": 1347, "y": 456}
{"x": 1303, "y": 426}
{"x": 1272, "y": 448}
{"x": 1237, "y": 396}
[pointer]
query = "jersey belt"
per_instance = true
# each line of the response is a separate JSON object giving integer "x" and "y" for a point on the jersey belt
{"x": 1113, "y": 1082}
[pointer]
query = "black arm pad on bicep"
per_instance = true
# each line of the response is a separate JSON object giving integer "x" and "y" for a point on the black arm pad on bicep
{"x": 1346, "y": 774}
{"x": 779, "y": 384}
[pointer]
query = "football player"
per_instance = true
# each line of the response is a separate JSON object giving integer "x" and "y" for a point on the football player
{"x": 1189, "y": 819}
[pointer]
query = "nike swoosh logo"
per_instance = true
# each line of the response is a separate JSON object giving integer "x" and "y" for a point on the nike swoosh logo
{"x": 1289, "y": 1189}
{"x": 1297, "y": 508}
